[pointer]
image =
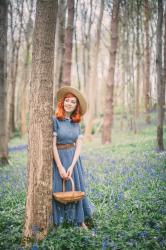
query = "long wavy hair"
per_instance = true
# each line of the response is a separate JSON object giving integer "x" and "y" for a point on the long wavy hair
{"x": 60, "y": 112}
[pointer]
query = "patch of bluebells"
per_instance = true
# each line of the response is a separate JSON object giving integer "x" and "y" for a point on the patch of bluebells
{"x": 12, "y": 181}
{"x": 113, "y": 185}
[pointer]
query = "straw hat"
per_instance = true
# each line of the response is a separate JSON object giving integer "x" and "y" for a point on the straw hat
{"x": 68, "y": 89}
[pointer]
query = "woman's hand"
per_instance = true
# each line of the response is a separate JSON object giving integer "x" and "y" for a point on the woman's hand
{"x": 63, "y": 173}
{"x": 69, "y": 172}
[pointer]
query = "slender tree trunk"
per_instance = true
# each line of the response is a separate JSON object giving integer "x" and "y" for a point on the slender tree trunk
{"x": 24, "y": 96}
{"x": 76, "y": 48}
{"x": 108, "y": 112}
{"x": 164, "y": 74}
{"x": 160, "y": 82}
{"x": 92, "y": 89}
{"x": 38, "y": 215}
{"x": 147, "y": 64}
{"x": 3, "y": 83}
{"x": 86, "y": 41}
{"x": 137, "y": 108}
{"x": 60, "y": 48}
{"x": 66, "y": 74}
{"x": 123, "y": 69}
{"x": 131, "y": 70}
{"x": 26, "y": 71}
{"x": 14, "y": 65}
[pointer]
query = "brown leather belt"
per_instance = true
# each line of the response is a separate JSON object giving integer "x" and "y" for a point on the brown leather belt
{"x": 64, "y": 146}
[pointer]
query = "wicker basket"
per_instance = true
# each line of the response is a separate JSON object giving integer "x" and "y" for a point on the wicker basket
{"x": 69, "y": 196}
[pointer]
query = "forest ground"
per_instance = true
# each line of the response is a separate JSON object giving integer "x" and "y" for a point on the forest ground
{"x": 125, "y": 181}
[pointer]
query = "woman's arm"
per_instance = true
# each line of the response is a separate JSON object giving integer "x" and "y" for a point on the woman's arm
{"x": 60, "y": 167}
{"x": 76, "y": 156}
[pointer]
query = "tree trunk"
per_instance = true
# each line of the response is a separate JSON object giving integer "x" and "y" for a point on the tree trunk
{"x": 92, "y": 88}
{"x": 76, "y": 47}
{"x": 164, "y": 74}
{"x": 147, "y": 64}
{"x": 24, "y": 96}
{"x": 60, "y": 43}
{"x": 38, "y": 215}
{"x": 108, "y": 112}
{"x": 3, "y": 84}
{"x": 66, "y": 73}
{"x": 137, "y": 108}
{"x": 124, "y": 71}
{"x": 26, "y": 71}
{"x": 160, "y": 82}
{"x": 14, "y": 62}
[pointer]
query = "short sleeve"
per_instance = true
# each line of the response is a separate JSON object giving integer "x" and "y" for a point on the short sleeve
{"x": 54, "y": 124}
{"x": 80, "y": 135}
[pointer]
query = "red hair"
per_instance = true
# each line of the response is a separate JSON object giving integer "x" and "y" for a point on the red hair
{"x": 60, "y": 113}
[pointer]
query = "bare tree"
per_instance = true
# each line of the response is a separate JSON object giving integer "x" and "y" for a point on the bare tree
{"x": 60, "y": 48}
{"x": 160, "y": 82}
{"x": 164, "y": 75}
{"x": 38, "y": 215}
{"x": 147, "y": 62}
{"x": 15, "y": 26}
{"x": 108, "y": 111}
{"x": 92, "y": 88}
{"x": 26, "y": 68}
{"x": 137, "y": 108}
{"x": 3, "y": 83}
{"x": 67, "y": 63}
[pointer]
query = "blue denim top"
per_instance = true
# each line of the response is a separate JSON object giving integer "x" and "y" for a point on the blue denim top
{"x": 65, "y": 130}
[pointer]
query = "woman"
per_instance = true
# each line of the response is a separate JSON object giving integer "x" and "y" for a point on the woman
{"x": 67, "y": 140}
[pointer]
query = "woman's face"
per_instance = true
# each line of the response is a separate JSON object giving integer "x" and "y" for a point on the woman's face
{"x": 70, "y": 104}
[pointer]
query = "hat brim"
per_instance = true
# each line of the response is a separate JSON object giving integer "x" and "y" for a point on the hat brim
{"x": 68, "y": 89}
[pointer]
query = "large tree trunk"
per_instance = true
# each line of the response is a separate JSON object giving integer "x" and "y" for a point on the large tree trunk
{"x": 38, "y": 215}
{"x": 66, "y": 73}
{"x": 108, "y": 111}
{"x": 3, "y": 83}
{"x": 92, "y": 89}
{"x": 160, "y": 82}
{"x": 147, "y": 93}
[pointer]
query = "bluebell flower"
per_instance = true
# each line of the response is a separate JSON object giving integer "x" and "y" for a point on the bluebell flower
{"x": 35, "y": 247}
{"x": 104, "y": 243}
{"x": 143, "y": 234}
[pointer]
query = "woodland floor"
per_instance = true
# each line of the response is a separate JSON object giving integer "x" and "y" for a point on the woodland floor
{"x": 126, "y": 182}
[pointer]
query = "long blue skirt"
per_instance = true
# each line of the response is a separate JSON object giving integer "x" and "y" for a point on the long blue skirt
{"x": 76, "y": 212}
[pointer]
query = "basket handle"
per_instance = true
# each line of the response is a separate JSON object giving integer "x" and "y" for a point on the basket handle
{"x": 72, "y": 184}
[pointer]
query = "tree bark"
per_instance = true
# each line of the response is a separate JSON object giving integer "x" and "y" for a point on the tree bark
{"x": 15, "y": 43}
{"x": 108, "y": 112}
{"x": 66, "y": 73}
{"x": 147, "y": 93}
{"x": 60, "y": 48}
{"x": 137, "y": 108}
{"x": 38, "y": 215}
{"x": 164, "y": 74}
{"x": 3, "y": 83}
{"x": 26, "y": 70}
{"x": 92, "y": 88}
{"x": 24, "y": 96}
{"x": 160, "y": 82}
